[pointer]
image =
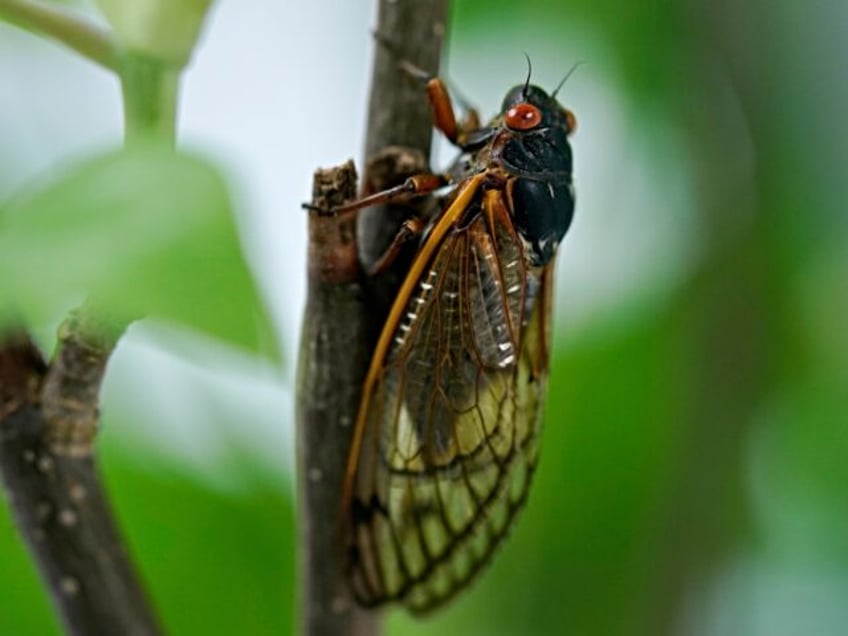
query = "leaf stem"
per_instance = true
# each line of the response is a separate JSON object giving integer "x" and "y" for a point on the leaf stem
{"x": 72, "y": 30}
{"x": 150, "y": 89}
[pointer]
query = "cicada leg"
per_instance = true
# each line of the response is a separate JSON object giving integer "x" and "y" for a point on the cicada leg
{"x": 444, "y": 117}
{"x": 411, "y": 228}
{"x": 413, "y": 186}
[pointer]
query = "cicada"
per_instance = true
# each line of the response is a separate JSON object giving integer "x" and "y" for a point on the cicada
{"x": 447, "y": 435}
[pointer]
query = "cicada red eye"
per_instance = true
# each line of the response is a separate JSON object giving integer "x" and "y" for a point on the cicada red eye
{"x": 523, "y": 116}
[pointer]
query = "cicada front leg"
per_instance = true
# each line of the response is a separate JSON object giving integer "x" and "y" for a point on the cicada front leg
{"x": 413, "y": 186}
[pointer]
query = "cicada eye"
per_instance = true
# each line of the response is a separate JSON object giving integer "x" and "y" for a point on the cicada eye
{"x": 523, "y": 116}
{"x": 570, "y": 120}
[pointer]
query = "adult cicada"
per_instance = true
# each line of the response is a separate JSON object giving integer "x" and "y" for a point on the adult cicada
{"x": 447, "y": 433}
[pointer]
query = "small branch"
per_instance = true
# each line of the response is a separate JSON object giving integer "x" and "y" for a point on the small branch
{"x": 60, "y": 24}
{"x": 71, "y": 387}
{"x": 398, "y": 112}
{"x": 21, "y": 371}
{"x": 63, "y": 513}
{"x": 332, "y": 368}
{"x": 47, "y": 425}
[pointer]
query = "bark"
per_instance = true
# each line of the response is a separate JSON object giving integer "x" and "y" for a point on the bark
{"x": 332, "y": 367}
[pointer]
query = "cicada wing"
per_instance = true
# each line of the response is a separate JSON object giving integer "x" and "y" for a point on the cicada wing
{"x": 452, "y": 419}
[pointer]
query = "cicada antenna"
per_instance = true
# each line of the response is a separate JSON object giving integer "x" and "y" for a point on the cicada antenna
{"x": 529, "y": 73}
{"x": 567, "y": 75}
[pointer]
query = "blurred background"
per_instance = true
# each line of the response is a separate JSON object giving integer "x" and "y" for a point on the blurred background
{"x": 694, "y": 472}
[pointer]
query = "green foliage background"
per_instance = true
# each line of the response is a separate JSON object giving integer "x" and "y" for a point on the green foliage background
{"x": 694, "y": 473}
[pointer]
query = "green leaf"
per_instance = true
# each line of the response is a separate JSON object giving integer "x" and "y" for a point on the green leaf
{"x": 142, "y": 231}
{"x": 217, "y": 563}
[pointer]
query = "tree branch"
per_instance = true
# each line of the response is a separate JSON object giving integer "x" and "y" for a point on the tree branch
{"x": 71, "y": 387}
{"x": 398, "y": 112}
{"x": 47, "y": 427}
{"x": 332, "y": 368}
{"x": 342, "y": 317}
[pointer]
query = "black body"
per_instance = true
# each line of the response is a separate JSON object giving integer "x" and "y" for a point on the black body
{"x": 535, "y": 167}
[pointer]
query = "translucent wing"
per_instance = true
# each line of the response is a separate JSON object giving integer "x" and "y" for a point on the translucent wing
{"x": 449, "y": 425}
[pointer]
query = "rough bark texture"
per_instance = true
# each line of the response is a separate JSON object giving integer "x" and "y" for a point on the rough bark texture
{"x": 332, "y": 367}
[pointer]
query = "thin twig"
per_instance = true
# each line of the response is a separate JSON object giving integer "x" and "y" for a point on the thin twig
{"x": 71, "y": 387}
{"x": 47, "y": 426}
{"x": 62, "y": 25}
{"x": 332, "y": 369}
{"x": 398, "y": 112}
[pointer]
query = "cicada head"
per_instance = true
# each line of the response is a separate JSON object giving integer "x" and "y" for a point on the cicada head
{"x": 527, "y": 108}
{"x": 534, "y": 148}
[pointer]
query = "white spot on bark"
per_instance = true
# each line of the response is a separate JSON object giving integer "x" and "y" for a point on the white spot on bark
{"x": 69, "y": 586}
{"x": 77, "y": 492}
{"x": 67, "y": 517}
{"x": 315, "y": 474}
{"x": 339, "y": 605}
{"x": 45, "y": 463}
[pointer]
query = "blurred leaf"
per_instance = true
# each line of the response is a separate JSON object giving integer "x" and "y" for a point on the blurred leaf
{"x": 799, "y": 474}
{"x": 24, "y": 606}
{"x": 163, "y": 29}
{"x": 214, "y": 562}
{"x": 146, "y": 230}
{"x": 648, "y": 39}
